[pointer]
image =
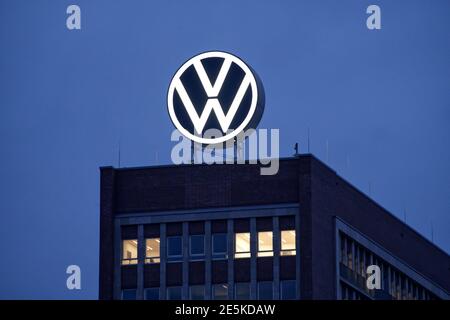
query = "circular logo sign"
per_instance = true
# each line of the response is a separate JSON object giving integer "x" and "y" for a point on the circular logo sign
{"x": 215, "y": 90}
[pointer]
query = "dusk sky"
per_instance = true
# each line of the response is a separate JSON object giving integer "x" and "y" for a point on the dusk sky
{"x": 69, "y": 98}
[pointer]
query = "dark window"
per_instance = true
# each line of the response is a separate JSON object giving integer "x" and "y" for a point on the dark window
{"x": 174, "y": 293}
{"x": 174, "y": 249}
{"x": 197, "y": 246}
{"x": 219, "y": 226}
{"x": 220, "y": 292}
{"x": 357, "y": 267}
{"x": 287, "y": 222}
{"x": 129, "y": 294}
{"x": 196, "y": 227}
{"x": 151, "y": 231}
{"x": 265, "y": 290}
{"x": 242, "y": 291}
{"x": 343, "y": 292}
{"x": 288, "y": 291}
{"x": 361, "y": 261}
{"x": 174, "y": 229}
{"x": 350, "y": 253}
{"x": 219, "y": 246}
{"x": 197, "y": 293}
{"x": 343, "y": 257}
{"x": 152, "y": 294}
{"x": 129, "y": 232}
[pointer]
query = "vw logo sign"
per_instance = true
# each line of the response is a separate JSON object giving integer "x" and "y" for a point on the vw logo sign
{"x": 215, "y": 90}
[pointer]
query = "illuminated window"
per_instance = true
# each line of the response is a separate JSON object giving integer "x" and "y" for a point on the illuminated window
{"x": 174, "y": 249}
{"x": 197, "y": 246}
{"x": 129, "y": 252}
{"x": 242, "y": 245}
{"x": 287, "y": 243}
{"x": 219, "y": 246}
{"x": 265, "y": 244}
{"x": 220, "y": 292}
{"x": 152, "y": 254}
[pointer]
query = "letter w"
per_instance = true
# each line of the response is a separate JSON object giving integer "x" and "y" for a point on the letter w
{"x": 212, "y": 104}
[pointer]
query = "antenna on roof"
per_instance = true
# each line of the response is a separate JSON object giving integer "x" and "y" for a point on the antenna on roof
{"x": 296, "y": 149}
{"x": 404, "y": 215}
{"x": 328, "y": 153}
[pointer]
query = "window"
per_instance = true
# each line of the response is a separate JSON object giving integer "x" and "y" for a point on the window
{"x": 385, "y": 277}
{"x": 287, "y": 243}
{"x": 357, "y": 268}
{"x": 349, "y": 293}
{"x": 242, "y": 245}
{"x": 152, "y": 294}
{"x": 420, "y": 293}
{"x": 403, "y": 288}
{"x": 265, "y": 290}
{"x": 152, "y": 250}
{"x": 343, "y": 249}
{"x": 220, "y": 292}
{"x": 197, "y": 293}
{"x": 197, "y": 246}
{"x": 242, "y": 291}
{"x": 129, "y": 294}
{"x": 174, "y": 293}
{"x": 350, "y": 254}
{"x": 408, "y": 289}
{"x": 343, "y": 292}
{"x": 219, "y": 246}
{"x": 288, "y": 291}
{"x": 265, "y": 244}
{"x": 392, "y": 285}
{"x": 361, "y": 261}
{"x": 398, "y": 286}
{"x": 129, "y": 252}
{"x": 174, "y": 249}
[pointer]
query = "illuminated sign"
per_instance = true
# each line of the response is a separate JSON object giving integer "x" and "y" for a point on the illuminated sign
{"x": 215, "y": 90}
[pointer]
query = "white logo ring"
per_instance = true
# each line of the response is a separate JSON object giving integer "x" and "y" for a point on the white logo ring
{"x": 176, "y": 80}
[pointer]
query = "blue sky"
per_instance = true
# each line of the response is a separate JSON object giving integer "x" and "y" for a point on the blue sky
{"x": 69, "y": 98}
